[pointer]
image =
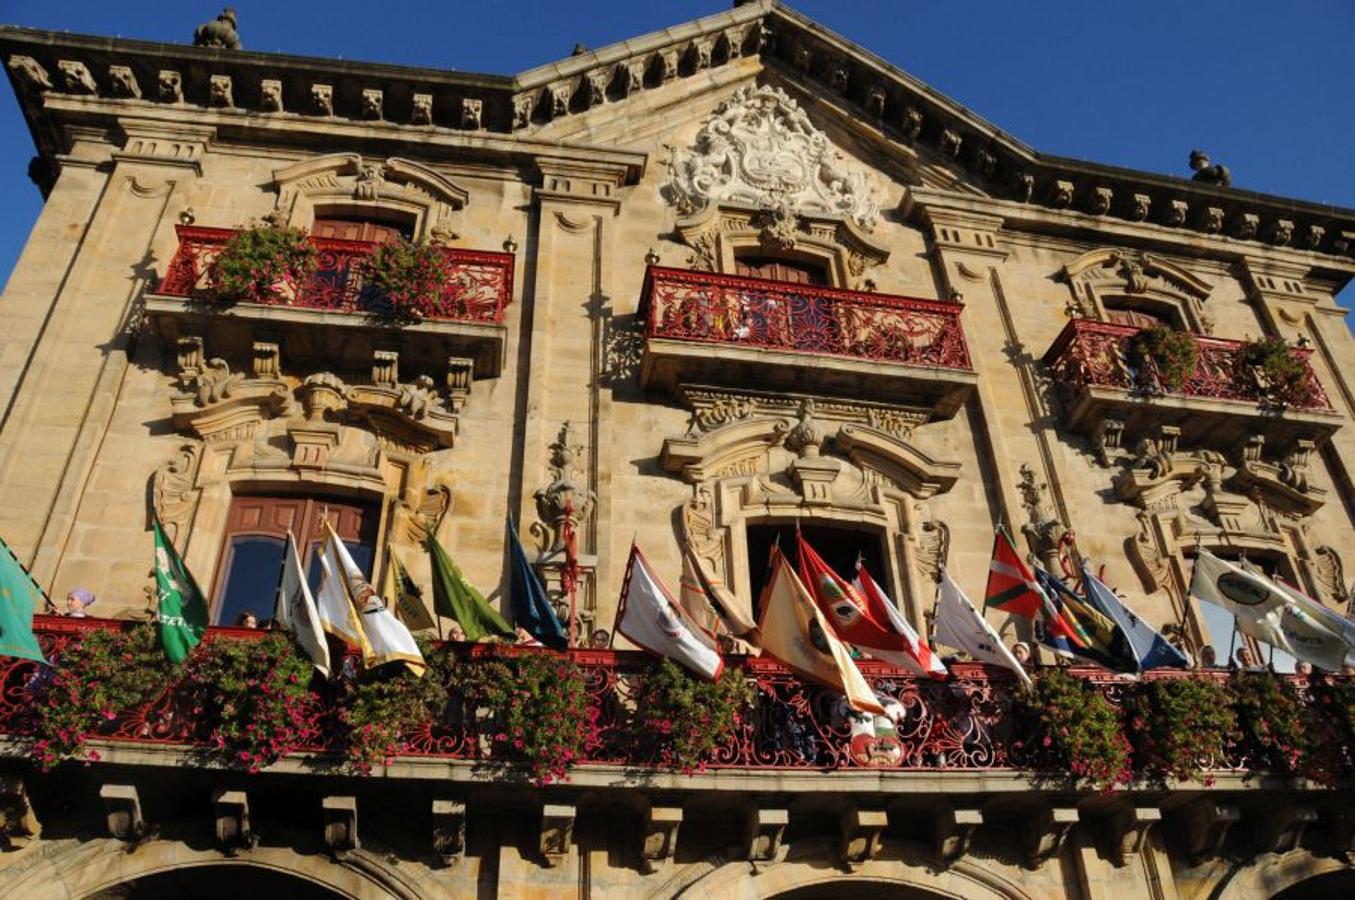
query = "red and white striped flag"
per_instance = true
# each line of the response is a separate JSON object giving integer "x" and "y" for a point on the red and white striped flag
{"x": 919, "y": 657}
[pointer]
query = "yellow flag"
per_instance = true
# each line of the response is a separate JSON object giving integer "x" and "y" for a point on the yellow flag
{"x": 794, "y": 633}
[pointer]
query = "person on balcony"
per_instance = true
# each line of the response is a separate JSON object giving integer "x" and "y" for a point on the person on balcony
{"x": 1209, "y": 657}
{"x": 247, "y": 619}
{"x": 1245, "y": 661}
{"x": 600, "y": 639}
{"x": 456, "y": 633}
{"x": 77, "y": 601}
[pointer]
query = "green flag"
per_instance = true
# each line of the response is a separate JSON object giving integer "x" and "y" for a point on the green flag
{"x": 455, "y": 598}
{"x": 182, "y": 613}
{"x": 19, "y": 596}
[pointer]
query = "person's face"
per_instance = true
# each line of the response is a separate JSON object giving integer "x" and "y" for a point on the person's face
{"x": 1244, "y": 656}
{"x": 73, "y": 603}
{"x": 1021, "y": 653}
{"x": 251, "y": 622}
{"x": 457, "y": 634}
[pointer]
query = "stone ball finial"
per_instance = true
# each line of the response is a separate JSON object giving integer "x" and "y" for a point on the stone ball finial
{"x": 1198, "y": 160}
{"x": 220, "y": 32}
{"x": 1209, "y": 174}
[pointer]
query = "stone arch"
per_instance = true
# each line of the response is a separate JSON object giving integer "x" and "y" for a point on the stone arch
{"x": 1102, "y": 277}
{"x": 901, "y": 864}
{"x": 346, "y": 183}
{"x": 828, "y": 466}
{"x": 1270, "y": 874}
{"x": 86, "y": 868}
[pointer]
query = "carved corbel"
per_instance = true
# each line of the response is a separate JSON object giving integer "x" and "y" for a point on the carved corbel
{"x": 1201, "y": 828}
{"x": 169, "y": 83}
{"x": 30, "y": 73}
{"x": 340, "y": 816}
{"x": 385, "y": 368}
{"x": 18, "y": 822}
{"x": 1043, "y": 834}
{"x": 1176, "y": 213}
{"x": 460, "y": 374}
{"x": 76, "y": 78}
{"x": 472, "y": 114}
{"x": 122, "y": 81}
{"x": 1107, "y": 439}
{"x": 123, "y": 807}
{"x": 557, "y": 832}
{"x": 449, "y": 830}
{"x": 862, "y": 836}
{"x": 191, "y": 359}
{"x": 421, "y": 109}
{"x": 763, "y": 830}
{"x": 220, "y": 92}
{"x": 373, "y": 104}
{"x": 1126, "y": 831}
{"x": 270, "y": 95}
{"x": 952, "y": 830}
{"x": 267, "y": 361}
{"x": 322, "y": 99}
{"x": 1279, "y": 826}
{"x": 658, "y": 839}
{"x": 230, "y": 809}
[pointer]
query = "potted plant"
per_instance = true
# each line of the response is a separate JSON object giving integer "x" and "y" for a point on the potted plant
{"x": 264, "y": 264}
{"x": 688, "y": 717}
{"x": 1166, "y": 353}
{"x": 410, "y": 276}
{"x": 1277, "y": 370}
{"x": 1077, "y": 730}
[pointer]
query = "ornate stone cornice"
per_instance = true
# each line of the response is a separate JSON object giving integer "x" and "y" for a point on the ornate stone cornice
{"x": 906, "y": 118}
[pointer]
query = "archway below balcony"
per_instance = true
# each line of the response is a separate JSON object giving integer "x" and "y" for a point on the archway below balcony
{"x": 225, "y": 882}
{"x": 904, "y": 870}
{"x": 1298, "y": 873}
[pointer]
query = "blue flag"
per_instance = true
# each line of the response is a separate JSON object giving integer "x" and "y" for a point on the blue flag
{"x": 531, "y": 607}
{"x": 1149, "y": 646}
{"x": 1103, "y": 641}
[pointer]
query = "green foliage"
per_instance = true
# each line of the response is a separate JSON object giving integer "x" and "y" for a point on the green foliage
{"x": 264, "y": 264}
{"x": 688, "y": 716}
{"x": 411, "y": 275}
{"x": 1179, "y": 727}
{"x": 539, "y": 703}
{"x": 1284, "y": 374}
{"x": 1078, "y": 727}
{"x": 256, "y": 695}
{"x": 386, "y": 704}
{"x": 1171, "y": 355}
{"x": 96, "y": 677}
{"x": 1272, "y": 717}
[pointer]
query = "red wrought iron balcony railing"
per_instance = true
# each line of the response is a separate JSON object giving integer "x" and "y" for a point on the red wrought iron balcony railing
{"x": 477, "y": 288}
{"x": 972, "y": 721}
{"x": 702, "y": 327}
{"x": 1096, "y": 354}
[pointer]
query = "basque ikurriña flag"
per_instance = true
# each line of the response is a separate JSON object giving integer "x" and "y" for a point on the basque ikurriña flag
{"x": 1012, "y": 588}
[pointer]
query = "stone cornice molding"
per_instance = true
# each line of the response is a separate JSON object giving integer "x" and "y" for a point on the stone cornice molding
{"x": 909, "y": 116}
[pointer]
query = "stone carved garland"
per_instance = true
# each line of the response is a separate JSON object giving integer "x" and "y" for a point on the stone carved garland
{"x": 761, "y": 151}
{"x": 714, "y": 407}
{"x": 1101, "y": 274}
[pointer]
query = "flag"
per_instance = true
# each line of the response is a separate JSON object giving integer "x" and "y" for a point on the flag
{"x": 846, "y": 609}
{"x": 1330, "y": 619}
{"x": 19, "y": 597}
{"x": 795, "y": 633}
{"x": 707, "y": 589}
{"x": 1150, "y": 648}
{"x": 295, "y": 609}
{"x": 387, "y": 640}
{"x": 1012, "y": 588}
{"x": 181, "y": 612}
{"x": 918, "y": 656}
{"x": 531, "y": 607}
{"x": 960, "y": 625}
{"x": 1256, "y": 604}
{"x": 1304, "y": 627}
{"x": 1102, "y": 640}
{"x": 337, "y": 614}
{"x": 456, "y": 598}
{"x": 650, "y": 618}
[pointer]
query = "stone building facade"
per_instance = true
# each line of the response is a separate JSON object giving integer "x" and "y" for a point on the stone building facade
{"x": 945, "y": 350}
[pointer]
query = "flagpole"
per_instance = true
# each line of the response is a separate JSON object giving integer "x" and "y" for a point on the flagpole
{"x": 569, "y": 575}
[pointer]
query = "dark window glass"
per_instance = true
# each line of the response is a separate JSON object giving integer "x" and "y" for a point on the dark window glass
{"x": 252, "y": 567}
{"x": 839, "y": 547}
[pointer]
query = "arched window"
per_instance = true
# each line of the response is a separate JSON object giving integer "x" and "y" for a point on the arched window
{"x": 256, "y": 538}
{"x": 839, "y": 547}
{"x": 1123, "y": 311}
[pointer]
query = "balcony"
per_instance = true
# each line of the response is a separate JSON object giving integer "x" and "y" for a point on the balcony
{"x": 740, "y": 332}
{"x": 1218, "y": 405}
{"x": 967, "y": 724}
{"x": 353, "y": 317}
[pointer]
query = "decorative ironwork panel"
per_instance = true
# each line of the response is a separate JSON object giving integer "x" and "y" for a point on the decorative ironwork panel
{"x": 478, "y": 286}
{"x": 803, "y": 318}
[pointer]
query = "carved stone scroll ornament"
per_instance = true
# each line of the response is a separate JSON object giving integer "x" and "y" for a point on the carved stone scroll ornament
{"x": 219, "y": 404}
{"x": 1044, "y": 530}
{"x": 567, "y": 500}
{"x": 760, "y": 150}
{"x": 173, "y": 493}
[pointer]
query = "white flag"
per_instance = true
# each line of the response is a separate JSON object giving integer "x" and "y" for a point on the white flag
{"x": 960, "y": 625}
{"x": 386, "y": 638}
{"x": 652, "y": 620}
{"x": 337, "y": 615}
{"x": 1307, "y": 626}
{"x": 295, "y": 609}
{"x": 1256, "y": 603}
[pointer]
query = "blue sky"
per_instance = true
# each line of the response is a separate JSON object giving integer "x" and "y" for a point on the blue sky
{"x": 1264, "y": 87}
